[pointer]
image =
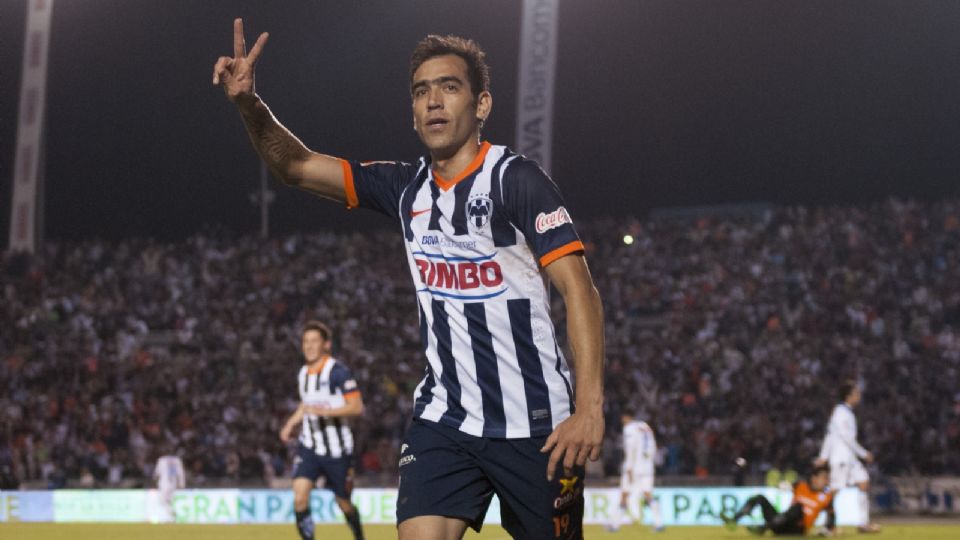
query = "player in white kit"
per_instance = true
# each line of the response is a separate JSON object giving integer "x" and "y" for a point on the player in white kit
{"x": 845, "y": 455}
{"x": 170, "y": 477}
{"x": 636, "y": 479}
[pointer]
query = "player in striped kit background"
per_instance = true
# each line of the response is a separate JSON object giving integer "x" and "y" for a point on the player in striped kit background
{"x": 329, "y": 396}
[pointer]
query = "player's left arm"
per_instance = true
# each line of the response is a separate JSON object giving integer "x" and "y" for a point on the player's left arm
{"x": 181, "y": 475}
{"x": 352, "y": 407}
{"x": 579, "y": 437}
{"x": 343, "y": 380}
{"x": 629, "y": 454}
{"x": 848, "y": 436}
{"x": 831, "y": 523}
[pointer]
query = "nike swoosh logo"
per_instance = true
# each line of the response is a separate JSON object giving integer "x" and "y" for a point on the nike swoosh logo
{"x": 415, "y": 213}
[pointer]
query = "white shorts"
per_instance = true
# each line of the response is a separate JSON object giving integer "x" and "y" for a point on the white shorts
{"x": 641, "y": 484}
{"x": 847, "y": 473}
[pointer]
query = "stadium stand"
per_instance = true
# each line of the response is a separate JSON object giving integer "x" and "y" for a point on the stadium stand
{"x": 730, "y": 332}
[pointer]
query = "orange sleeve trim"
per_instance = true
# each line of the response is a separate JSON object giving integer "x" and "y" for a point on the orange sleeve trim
{"x": 351, "y": 393}
{"x": 348, "y": 188}
{"x": 561, "y": 251}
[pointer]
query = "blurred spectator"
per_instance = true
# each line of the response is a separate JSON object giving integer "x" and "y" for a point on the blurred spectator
{"x": 7, "y": 480}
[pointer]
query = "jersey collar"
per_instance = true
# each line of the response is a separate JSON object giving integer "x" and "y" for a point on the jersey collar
{"x": 318, "y": 367}
{"x": 471, "y": 168}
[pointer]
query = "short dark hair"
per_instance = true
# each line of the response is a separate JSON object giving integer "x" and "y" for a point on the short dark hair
{"x": 478, "y": 72}
{"x": 846, "y": 388}
{"x": 821, "y": 468}
{"x": 319, "y": 327}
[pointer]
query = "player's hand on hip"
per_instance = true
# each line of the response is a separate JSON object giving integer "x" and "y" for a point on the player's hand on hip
{"x": 236, "y": 74}
{"x": 574, "y": 441}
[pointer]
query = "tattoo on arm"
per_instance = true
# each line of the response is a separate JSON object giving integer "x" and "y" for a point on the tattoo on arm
{"x": 275, "y": 144}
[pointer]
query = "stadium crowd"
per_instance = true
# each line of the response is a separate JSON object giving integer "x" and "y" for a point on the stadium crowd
{"x": 729, "y": 334}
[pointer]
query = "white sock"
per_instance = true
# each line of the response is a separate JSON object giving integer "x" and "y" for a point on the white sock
{"x": 655, "y": 508}
{"x": 864, "y": 500}
{"x": 617, "y": 516}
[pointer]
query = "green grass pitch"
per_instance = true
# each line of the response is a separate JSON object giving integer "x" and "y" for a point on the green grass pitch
{"x": 96, "y": 531}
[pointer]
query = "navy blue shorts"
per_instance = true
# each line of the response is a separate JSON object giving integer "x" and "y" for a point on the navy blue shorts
{"x": 337, "y": 471}
{"x": 445, "y": 472}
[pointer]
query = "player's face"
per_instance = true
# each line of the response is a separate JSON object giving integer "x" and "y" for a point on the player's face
{"x": 854, "y": 398}
{"x": 313, "y": 346}
{"x": 446, "y": 114}
{"x": 818, "y": 482}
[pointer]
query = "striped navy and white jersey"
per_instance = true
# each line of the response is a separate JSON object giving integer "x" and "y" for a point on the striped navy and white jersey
{"x": 326, "y": 384}
{"x": 476, "y": 246}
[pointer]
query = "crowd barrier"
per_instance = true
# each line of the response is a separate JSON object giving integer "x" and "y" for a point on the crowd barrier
{"x": 680, "y": 506}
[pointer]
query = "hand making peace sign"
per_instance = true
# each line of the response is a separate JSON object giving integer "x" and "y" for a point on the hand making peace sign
{"x": 236, "y": 74}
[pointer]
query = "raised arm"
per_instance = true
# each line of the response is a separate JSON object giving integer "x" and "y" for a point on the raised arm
{"x": 579, "y": 437}
{"x": 288, "y": 158}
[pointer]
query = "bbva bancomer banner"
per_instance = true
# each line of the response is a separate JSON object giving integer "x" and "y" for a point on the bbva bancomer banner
{"x": 681, "y": 506}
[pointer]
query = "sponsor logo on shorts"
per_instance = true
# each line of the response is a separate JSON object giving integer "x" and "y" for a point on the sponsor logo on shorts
{"x": 405, "y": 460}
{"x": 568, "y": 484}
{"x": 554, "y": 219}
{"x": 569, "y": 491}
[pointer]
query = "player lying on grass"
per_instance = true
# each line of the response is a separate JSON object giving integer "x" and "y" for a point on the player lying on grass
{"x": 810, "y": 497}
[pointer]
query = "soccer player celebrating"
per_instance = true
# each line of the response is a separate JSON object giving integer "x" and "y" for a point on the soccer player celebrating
{"x": 810, "y": 497}
{"x": 328, "y": 396}
{"x": 486, "y": 232}
{"x": 636, "y": 478}
{"x": 170, "y": 477}
{"x": 844, "y": 454}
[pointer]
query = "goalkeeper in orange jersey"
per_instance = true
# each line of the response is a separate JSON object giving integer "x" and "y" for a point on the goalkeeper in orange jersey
{"x": 810, "y": 497}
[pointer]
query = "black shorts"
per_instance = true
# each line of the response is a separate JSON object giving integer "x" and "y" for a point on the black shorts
{"x": 337, "y": 471}
{"x": 445, "y": 472}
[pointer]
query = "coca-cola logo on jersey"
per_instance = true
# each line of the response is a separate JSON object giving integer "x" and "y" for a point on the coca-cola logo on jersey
{"x": 554, "y": 219}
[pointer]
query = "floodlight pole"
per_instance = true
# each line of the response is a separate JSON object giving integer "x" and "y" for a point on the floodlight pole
{"x": 266, "y": 197}
{"x": 26, "y": 195}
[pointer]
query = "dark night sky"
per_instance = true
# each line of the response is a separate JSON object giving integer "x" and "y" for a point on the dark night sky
{"x": 659, "y": 103}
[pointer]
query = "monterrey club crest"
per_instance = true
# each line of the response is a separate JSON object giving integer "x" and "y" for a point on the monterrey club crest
{"x": 479, "y": 210}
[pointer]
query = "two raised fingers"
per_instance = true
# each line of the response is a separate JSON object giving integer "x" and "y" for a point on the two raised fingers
{"x": 240, "y": 45}
{"x": 225, "y": 64}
